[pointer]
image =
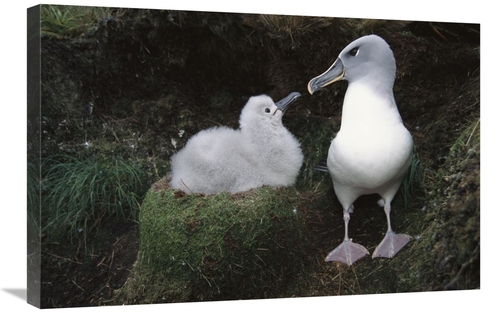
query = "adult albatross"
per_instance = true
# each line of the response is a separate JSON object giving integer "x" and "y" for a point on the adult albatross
{"x": 373, "y": 150}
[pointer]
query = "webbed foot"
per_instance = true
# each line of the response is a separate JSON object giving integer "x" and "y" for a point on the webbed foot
{"x": 347, "y": 252}
{"x": 390, "y": 245}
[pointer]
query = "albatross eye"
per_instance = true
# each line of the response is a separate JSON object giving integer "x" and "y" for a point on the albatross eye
{"x": 353, "y": 52}
{"x": 268, "y": 110}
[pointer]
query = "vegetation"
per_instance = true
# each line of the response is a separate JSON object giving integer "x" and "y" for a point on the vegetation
{"x": 412, "y": 182}
{"x": 195, "y": 247}
{"x": 453, "y": 235}
{"x": 78, "y": 193}
{"x": 70, "y": 21}
{"x": 137, "y": 86}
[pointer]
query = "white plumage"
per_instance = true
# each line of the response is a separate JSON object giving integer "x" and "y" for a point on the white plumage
{"x": 372, "y": 151}
{"x": 261, "y": 152}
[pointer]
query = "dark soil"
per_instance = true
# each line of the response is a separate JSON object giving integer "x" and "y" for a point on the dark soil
{"x": 86, "y": 272}
{"x": 144, "y": 75}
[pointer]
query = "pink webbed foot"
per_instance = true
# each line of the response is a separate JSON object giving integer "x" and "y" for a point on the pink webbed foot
{"x": 347, "y": 252}
{"x": 390, "y": 245}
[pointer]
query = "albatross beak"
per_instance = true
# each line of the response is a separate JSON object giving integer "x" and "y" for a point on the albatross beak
{"x": 284, "y": 103}
{"x": 334, "y": 73}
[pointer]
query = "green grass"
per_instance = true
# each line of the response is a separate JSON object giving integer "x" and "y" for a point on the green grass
{"x": 77, "y": 193}
{"x": 70, "y": 21}
{"x": 412, "y": 182}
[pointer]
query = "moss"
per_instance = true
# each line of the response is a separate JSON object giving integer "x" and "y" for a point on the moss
{"x": 195, "y": 247}
{"x": 451, "y": 245}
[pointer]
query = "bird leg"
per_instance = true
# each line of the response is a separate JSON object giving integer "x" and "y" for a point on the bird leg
{"x": 347, "y": 252}
{"x": 392, "y": 242}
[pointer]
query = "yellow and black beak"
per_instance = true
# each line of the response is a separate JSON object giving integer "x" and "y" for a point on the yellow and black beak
{"x": 335, "y": 73}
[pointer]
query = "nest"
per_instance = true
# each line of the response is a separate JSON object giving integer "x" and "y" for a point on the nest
{"x": 218, "y": 247}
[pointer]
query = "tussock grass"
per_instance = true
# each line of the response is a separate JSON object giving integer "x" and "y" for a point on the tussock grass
{"x": 362, "y": 27}
{"x": 287, "y": 26}
{"x": 77, "y": 191}
{"x": 412, "y": 182}
{"x": 70, "y": 21}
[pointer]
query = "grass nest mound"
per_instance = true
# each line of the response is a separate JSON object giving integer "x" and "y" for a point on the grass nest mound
{"x": 218, "y": 247}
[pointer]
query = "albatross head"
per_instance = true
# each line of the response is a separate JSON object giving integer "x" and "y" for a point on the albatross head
{"x": 367, "y": 58}
{"x": 262, "y": 112}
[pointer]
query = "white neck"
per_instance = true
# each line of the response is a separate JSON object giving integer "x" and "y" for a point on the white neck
{"x": 366, "y": 108}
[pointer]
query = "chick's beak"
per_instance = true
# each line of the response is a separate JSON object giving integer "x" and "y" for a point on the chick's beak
{"x": 285, "y": 103}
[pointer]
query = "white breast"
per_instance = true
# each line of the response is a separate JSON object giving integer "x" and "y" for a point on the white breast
{"x": 372, "y": 147}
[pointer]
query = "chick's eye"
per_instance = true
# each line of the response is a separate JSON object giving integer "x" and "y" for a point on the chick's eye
{"x": 353, "y": 52}
{"x": 268, "y": 110}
